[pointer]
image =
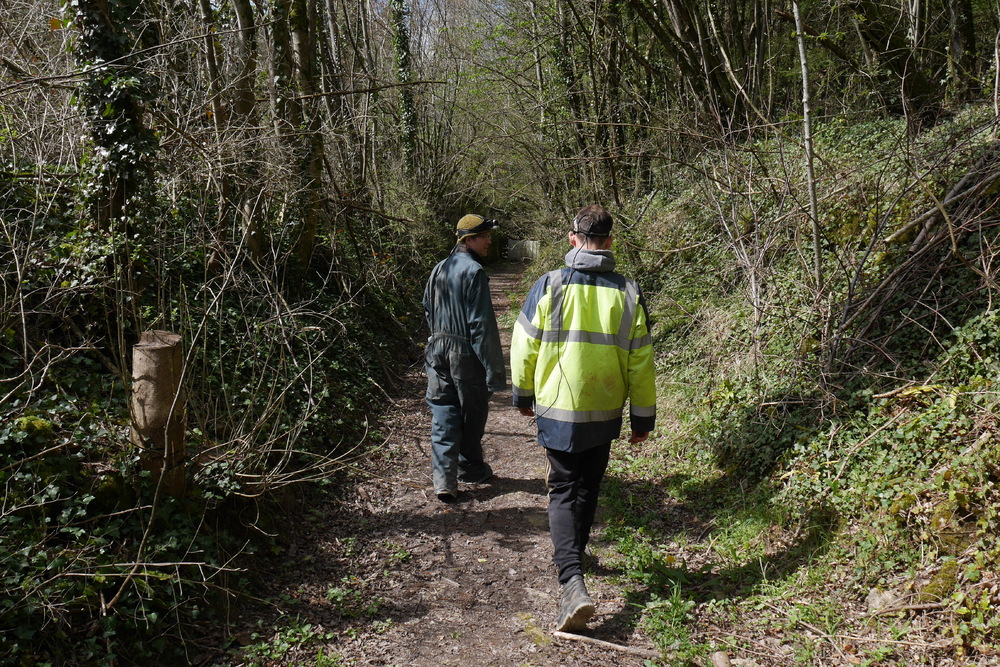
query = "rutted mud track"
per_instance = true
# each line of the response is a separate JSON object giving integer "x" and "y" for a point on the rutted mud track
{"x": 392, "y": 576}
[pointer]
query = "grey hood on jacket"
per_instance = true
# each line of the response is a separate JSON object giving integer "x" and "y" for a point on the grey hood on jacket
{"x": 582, "y": 259}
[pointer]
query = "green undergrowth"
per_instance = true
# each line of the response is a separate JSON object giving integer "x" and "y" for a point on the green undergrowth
{"x": 96, "y": 566}
{"x": 899, "y": 500}
{"x": 807, "y": 507}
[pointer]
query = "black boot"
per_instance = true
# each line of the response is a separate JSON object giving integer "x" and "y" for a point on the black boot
{"x": 577, "y": 607}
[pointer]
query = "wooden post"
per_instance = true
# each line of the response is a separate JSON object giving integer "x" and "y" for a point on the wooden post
{"x": 158, "y": 407}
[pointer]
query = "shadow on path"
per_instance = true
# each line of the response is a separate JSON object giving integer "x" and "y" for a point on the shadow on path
{"x": 390, "y": 575}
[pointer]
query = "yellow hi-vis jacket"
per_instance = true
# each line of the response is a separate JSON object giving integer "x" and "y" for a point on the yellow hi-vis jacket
{"x": 581, "y": 348}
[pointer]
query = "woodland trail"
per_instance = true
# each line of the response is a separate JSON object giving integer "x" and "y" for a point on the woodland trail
{"x": 390, "y": 575}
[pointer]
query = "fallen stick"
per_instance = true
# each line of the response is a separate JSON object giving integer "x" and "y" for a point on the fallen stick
{"x": 645, "y": 653}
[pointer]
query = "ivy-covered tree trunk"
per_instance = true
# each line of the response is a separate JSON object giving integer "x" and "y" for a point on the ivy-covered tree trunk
{"x": 114, "y": 89}
{"x": 400, "y": 12}
{"x": 116, "y": 185}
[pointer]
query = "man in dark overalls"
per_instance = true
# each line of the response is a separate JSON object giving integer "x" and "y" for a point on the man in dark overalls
{"x": 464, "y": 360}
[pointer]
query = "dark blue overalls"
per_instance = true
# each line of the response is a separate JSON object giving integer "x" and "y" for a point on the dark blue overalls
{"x": 464, "y": 363}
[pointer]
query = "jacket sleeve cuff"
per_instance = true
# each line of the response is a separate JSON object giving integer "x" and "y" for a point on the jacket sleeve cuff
{"x": 522, "y": 401}
{"x": 642, "y": 424}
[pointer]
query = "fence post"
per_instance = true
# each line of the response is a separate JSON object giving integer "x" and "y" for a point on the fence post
{"x": 157, "y": 408}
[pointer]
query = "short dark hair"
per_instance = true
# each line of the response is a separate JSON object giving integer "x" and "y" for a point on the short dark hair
{"x": 593, "y": 220}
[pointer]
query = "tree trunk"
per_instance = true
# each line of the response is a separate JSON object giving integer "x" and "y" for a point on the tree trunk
{"x": 567, "y": 69}
{"x": 113, "y": 104}
{"x": 400, "y": 13}
{"x": 245, "y": 116}
{"x": 962, "y": 52}
{"x": 921, "y": 96}
{"x": 246, "y": 40}
{"x": 219, "y": 124}
{"x": 297, "y": 121}
{"x": 301, "y": 18}
{"x": 536, "y": 40}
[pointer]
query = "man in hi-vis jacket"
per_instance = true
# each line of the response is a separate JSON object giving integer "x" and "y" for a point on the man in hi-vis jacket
{"x": 463, "y": 359}
{"x": 581, "y": 348}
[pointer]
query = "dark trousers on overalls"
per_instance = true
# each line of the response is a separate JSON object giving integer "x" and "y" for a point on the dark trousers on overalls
{"x": 459, "y": 402}
{"x": 574, "y": 482}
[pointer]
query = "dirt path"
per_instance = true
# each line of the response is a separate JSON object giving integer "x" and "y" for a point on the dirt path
{"x": 393, "y": 576}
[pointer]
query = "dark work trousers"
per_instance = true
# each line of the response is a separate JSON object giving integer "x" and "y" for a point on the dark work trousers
{"x": 574, "y": 481}
{"x": 459, "y": 402}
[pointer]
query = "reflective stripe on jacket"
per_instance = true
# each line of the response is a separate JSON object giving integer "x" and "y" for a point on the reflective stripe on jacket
{"x": 581, "y": 348}
{"x": 458, "y": 306}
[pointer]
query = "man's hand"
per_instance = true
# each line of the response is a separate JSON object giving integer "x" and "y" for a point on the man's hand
{"x": 638, "y": 437}
{"x": 527, "y": 412}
